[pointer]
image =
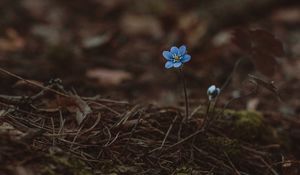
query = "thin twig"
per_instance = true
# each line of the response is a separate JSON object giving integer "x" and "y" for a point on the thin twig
{"x": 132, "y": 132}
{"x": 233, "y": 166}
{"x": 53, "y": 131}
{"x": 33, "y": 83}
{"x": 185, "y": 139}
{"x": 168, "y": 132}
{"x": 268, "y": 165}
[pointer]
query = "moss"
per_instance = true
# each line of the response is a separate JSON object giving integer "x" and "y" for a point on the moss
{"x": 111, "y": 168}
{"x": 183, "y": 170}
{"x": 223, "y": 144}
{"x": 48, "y": 170}
{"x": 244, "y": 125}
{"x": 65, "y": 165}
{"x": 248, "y": 124}
{"x": 187, "y": 170}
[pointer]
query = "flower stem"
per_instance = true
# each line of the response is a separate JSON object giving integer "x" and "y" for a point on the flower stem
{"x": 185, "y": 95}
{"x": 206, "y": 117}
{"x": 207, "y": 110}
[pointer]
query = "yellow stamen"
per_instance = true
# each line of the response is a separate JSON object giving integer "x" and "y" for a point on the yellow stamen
{"x": 176, "y": 58}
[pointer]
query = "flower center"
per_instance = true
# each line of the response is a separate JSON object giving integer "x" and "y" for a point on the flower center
{"x": 176, "y": 58}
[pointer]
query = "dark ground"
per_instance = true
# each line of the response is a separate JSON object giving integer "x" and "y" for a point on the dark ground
{"x": 112, "y": 49}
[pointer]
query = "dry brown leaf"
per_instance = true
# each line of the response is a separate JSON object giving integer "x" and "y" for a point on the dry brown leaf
{"x": 287, "y": 15}
{"x": 264, "y": 63}
{"x": 134, "y": 25}
{"x": 26, "y": 84}
{"x": 262, "y": 47}
{"x": 12, "y": 42}
{"x": 75, "y": 104}
{"x": 258, "y": 41}
{"x": 193, "y": 27}
{"x": 108, "y": 77}
{"x": 266, "y": 42}
{"x": 292, "y": 69}
{"x": 20, "y": 170}
{"x": 37, "y": 9}
{"x": 241, "y": 38}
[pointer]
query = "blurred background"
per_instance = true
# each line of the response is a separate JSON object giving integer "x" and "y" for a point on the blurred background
{"x": 113, "y": 48}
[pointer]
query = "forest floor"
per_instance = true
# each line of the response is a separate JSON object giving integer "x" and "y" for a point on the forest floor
{"x": 84, "y": 89}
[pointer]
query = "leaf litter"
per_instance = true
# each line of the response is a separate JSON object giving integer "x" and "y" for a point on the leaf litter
{"x": 114, "y": 137}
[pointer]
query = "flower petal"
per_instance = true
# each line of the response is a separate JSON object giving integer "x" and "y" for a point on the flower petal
{"x": 182, "y": 50}
{"x": 174, "y": 50}
{"x": 177, "y": 64}
{"x": 169, "y": 64}
{"x": 218, "y": 90}
{"x": 186, "y": 58}
{"x": 213, "y": 92}
{"x": 168, "y": 55}
{"x": 211, "y": 89}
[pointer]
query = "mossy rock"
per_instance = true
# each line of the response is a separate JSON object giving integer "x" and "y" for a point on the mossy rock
{"x": 243, "y": 125}
{"x": 64, "y": 164}
{"x": 188, "y": 170}
{"x": 222, "y": 145}
{"x": 249, "y": 126}
{"x": 110, "y": 168}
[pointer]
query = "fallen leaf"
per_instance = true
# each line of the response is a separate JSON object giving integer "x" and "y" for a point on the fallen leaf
{"x": 127, "y": 169}
{"x": 20, "y": 170}
{"x": 252, "y": 104}
{"x": 241, "y": 38}
{"x": 96, "y": 41}
{"x": 12, "y": 42}
{"x": 27, "y": 84}
{"x": 292, "y": 69}
{"x": 37, "y": 9}
{"x": 264, "y": 63}
{"x": 287, "y": 15}
{"x": 50, "y": 33}
{"x": 75, "y": 104}
{"x": 193, "y": 27}
{"x": 135, "y": 25}
{"x": 262, "y": 48}
{"x": 108, "y": 77}
{"x": 266, "y": 42}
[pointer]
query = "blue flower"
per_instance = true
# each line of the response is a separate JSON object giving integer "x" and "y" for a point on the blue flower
{"x": 176, "y": 57}
{"x": 213, "y": 92}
